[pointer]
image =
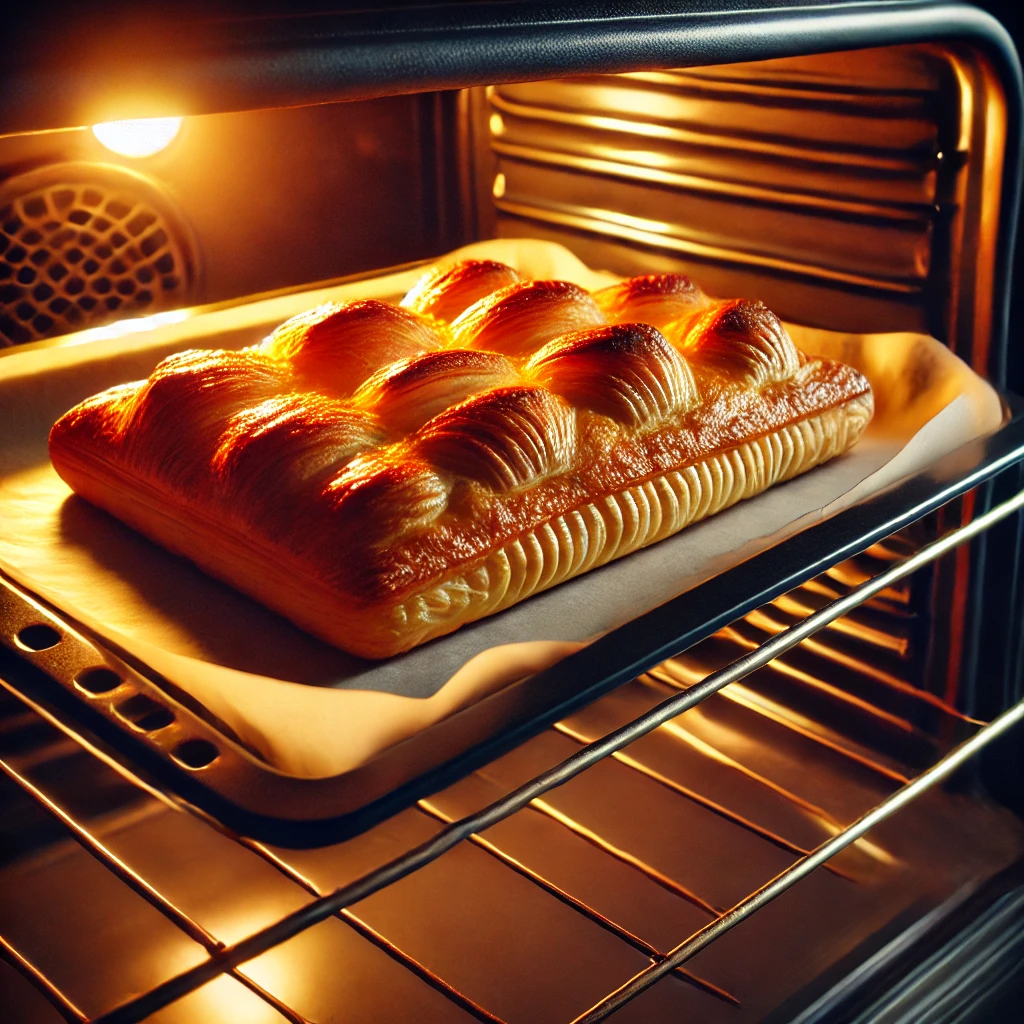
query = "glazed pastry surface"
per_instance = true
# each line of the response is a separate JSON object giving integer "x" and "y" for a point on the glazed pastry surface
{"x": 382, "y": 474}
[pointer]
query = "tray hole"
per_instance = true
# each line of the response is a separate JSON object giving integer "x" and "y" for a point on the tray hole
{"x": 98, "y": 680}
{"x": 145, "y": 713}
{"x": 38, "y": 637}
{"x": 195, "y": 753}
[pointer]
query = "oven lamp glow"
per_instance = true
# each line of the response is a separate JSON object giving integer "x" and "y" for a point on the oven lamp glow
{"x": 142, "y": 136}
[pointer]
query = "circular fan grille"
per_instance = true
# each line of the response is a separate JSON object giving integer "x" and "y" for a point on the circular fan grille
{"x": 84, "y": 251}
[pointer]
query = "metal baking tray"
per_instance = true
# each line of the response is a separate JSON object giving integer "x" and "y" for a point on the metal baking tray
{"x": 89, "y": 683}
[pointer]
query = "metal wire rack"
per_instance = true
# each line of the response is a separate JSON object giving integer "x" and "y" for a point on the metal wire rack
{"x": 226, "y": 959}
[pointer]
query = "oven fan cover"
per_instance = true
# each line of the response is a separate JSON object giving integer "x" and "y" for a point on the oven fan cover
{"x": 85, "y": 244}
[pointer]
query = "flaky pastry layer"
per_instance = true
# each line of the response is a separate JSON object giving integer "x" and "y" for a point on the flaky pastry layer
{"x": 381, "y": 475}
{"x": 568, "y": 545}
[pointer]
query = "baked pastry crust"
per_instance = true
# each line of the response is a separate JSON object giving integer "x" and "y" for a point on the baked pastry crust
{"x": 384, "y": 474}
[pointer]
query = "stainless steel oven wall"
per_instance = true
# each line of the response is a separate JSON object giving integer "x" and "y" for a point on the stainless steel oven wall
{"x": 857, "y": 191}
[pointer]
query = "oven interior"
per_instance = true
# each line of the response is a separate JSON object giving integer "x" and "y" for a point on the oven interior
{"x": 858, "y": 191}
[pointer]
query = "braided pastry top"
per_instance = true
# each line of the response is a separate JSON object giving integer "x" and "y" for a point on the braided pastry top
{"x": 383, "y": 445}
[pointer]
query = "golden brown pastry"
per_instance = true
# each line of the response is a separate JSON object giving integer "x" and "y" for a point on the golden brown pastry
{"x": 384, "y": 474}
{"x": 656, "y": 299}
{"x": 518, "y": 319}
{"x": 446, "y": 291}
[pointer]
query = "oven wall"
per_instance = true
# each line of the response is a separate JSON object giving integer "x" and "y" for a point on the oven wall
{"x": 852, "y": 191}
{"x": 1008, "y": 12}
{"x": 253, "y": 201}
{"x": 855, "y": 190}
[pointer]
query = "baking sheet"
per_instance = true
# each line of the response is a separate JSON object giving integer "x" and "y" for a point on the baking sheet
{"x": 313, "y": 711}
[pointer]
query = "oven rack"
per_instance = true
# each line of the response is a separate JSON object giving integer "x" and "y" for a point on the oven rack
{"x": 227, "y": 959}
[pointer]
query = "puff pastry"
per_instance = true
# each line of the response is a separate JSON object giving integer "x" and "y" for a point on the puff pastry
{"x": 383, "y": 474}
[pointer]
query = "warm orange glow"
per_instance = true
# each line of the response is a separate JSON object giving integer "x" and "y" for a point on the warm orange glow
{"x": 140, "y": 137}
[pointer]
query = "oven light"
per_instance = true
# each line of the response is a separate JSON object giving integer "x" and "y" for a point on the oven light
{"x": 142, "y": 136}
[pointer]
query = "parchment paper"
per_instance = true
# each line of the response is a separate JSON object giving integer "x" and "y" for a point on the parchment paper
{"x": 313, "y": 711}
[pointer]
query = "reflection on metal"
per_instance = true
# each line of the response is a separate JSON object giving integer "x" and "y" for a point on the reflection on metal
{"x": 380, "y": 941}
{"x": 84, "y": 743}
{"x": 888, "y": 551}
{"x": 592, "y": 837}
{"x": 30, "y": 972}
{"x": 677, "y": 731}
{"x": 137, "y": 884}
{"x": 864, "y": 185}
{"x": 716, "y": 808}
{"x": 223, "y": 958}
{"x": 825, "y": 181}
{"x": 268, "y": 997}
{"x": 827, "y": 821}
{"x": 730, "y": 81}
{"x": 600, "y": 163}
{"x": 792, "y": 605}
{"x": 803, "y": 867}
{"x": 867, "y": 669}
{"x": 660, "y": 235}
{"x": 847, "y": 577}
{"x": 773, "y": 711}
{"x": 102, "y": 853}
{"x": 783, "y": 668}
{"x": 98, "y": 850}
{"x": 321, "y": 909}
{"x": 133, "y": 325}
{"x": 653, "y": 129}
{"x": 589, "y": 912}
{"x": 192, "y": 928}
{"x": 854, "y": 571}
